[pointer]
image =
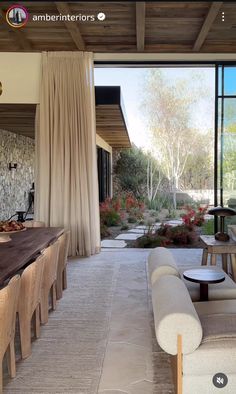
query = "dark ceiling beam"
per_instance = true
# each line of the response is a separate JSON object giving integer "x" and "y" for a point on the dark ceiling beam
{"x": 207, "y": 24}
{"x": 15, "y": 34}
{"x": 71, "y": 26}
{"x": 140, "y": 25}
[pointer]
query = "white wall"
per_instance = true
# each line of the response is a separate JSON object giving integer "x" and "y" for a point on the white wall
{"x": 20, "y": 76}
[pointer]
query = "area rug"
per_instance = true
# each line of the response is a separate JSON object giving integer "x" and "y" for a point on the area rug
{"x": 68, "y": 356}
{"x": 101, "y": 337}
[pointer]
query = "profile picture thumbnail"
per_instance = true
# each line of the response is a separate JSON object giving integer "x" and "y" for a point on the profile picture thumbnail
{"x": 17, "y": 16}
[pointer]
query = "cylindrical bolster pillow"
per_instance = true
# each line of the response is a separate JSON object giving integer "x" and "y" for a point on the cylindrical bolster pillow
{"x": 161, "y": 262}
{"x": 174, "y": 315}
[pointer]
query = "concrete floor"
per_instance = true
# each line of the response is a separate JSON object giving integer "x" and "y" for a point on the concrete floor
{"x": 134, "y": 363}
{"x": 131, "y": 361}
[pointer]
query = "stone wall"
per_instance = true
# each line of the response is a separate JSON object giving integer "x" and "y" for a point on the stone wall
{"x": 15, "y": 184}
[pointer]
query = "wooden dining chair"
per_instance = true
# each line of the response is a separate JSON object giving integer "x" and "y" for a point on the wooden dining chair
{"x": 33, "y": 223}
{"x": 64, "y": 240}
{"x": 8, "y": 303}
{"x": 48, "y": 287}
{"x": 28, "y": 305}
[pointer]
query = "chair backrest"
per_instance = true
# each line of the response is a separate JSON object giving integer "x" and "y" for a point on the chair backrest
{"x": 31, "y": 280}
{"x": 33, "y": 223}
{"x": 64, "y": 240}
{"x": 50, "y": 264}
{"x": 8, "y": 303}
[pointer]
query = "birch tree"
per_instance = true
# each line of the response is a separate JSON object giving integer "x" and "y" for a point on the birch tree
{"x": 167, "y": 108}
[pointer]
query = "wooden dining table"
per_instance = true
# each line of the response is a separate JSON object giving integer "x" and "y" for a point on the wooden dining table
{"x": 24, "y": 247}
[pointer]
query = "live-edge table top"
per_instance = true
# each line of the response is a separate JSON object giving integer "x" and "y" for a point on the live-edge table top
{"x": 24, "y": 247}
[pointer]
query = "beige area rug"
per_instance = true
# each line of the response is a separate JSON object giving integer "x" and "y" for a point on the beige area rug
{"x": 101, "y": 337}
{"x": 68, "y": 356}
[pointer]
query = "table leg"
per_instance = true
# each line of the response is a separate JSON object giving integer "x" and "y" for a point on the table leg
{"x": 204, "y": 257}
{"x": 213, "y": 259}
{"x": 225, "y": 262}
{"x": 233, "y": 265}
{"x": 203, "y": 291}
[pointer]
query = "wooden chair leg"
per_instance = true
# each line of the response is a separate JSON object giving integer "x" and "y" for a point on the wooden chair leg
{"x": 36, "y": 322}
{"x": 59, "y": 288}
{"x": 44, "y": 308}
{"x": 213, "y": 259}
{"x": 179, "y": 365}
{"x": 11, "y": 359}
{"x": 1, "y": 379}
{"x": 204, "y": 257}
{"x": 25, "y": 336}
{"x": 53, "y": 295}
{"x": 233, "y": 265}
{"x": 225, "y": 262}
{"x": 64, "y": 278}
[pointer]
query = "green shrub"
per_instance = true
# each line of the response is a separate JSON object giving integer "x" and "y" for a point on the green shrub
{"x": 104, "y": 231}
{"x": 132, "y": 219}
{"x": 111, "y": 218}
{"x": 124, "y": 227}
{"x": 208, "y": 227}
{"x": 151, "y": 241}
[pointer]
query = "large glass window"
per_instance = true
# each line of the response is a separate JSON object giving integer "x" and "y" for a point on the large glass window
{"x": 227, "y": 136}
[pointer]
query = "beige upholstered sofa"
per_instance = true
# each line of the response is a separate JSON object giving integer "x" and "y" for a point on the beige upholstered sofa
{"x": 200, "y": 335}
{"x": 161, "y": 262}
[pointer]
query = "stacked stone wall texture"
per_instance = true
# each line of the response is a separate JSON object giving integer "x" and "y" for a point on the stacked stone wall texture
{"x": 15, "y": 184}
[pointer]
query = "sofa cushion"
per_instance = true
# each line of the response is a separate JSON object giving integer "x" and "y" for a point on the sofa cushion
{"x": 174, "y": 314}
{"x": 161, "y": 262}
{"x": 217, "y": 291}
{"x": 215, "y": 307}
{"x": 217, "y": 351}
{"x": 195, "y": 384}
{"x": 211, "y": 357}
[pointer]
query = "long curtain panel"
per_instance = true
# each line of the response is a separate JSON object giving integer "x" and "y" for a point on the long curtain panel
{"x": 66, "y": 167}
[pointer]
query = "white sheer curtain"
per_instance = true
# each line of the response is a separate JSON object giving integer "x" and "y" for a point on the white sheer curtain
{"x": 66, "y": 167}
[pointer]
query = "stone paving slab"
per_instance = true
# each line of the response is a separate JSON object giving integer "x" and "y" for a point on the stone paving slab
{"x": 129, "y": 236}
{"x": 112, "y": 243}
{"x": 137, "y": 231}
{"x": 174, "y": 223}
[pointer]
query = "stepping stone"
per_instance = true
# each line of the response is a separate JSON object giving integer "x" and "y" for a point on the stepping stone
{"x": 129, "y": 236}
{"x": 112, "y": 243}
{"x": 142, "y": 227}
{"x": 137, "y": 231}
{"x": 174, "y": 223}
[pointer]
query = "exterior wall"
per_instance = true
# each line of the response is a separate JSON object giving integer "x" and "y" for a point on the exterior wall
{"x": 15, "y": 184}
{"x": 103, "y": 144}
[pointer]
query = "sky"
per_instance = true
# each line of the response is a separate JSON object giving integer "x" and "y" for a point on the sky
{"x": 130, "y": 81}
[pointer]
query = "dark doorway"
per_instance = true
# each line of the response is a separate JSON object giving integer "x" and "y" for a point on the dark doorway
{"x": 104, "y": 173}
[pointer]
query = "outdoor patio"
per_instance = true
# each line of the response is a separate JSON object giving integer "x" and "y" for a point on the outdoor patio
{"x": 101, "y": 336}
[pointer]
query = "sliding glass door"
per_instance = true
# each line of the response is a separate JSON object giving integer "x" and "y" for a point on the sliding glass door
{"x": 226, "y": 135}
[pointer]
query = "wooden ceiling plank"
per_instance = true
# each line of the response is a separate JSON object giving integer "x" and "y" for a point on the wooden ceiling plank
{"x": 19, "y": 36}
{"x": 71, "y": 26}
{"x": 207, "y": 24}
{"x": 140, "y": 25}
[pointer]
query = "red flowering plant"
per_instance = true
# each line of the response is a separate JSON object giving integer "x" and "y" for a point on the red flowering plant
{"x": 194, "y": 217}
{"x": 110, "y": 214}
{"x": 134, "y": 207}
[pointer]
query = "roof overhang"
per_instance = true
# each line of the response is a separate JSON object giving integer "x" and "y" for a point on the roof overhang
{"x": 111, "y": 117}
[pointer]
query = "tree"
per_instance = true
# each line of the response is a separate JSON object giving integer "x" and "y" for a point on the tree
{"x": 154, "y": 178}
{"x": 168, "y": 109}
{"x": 138, "y": 172}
